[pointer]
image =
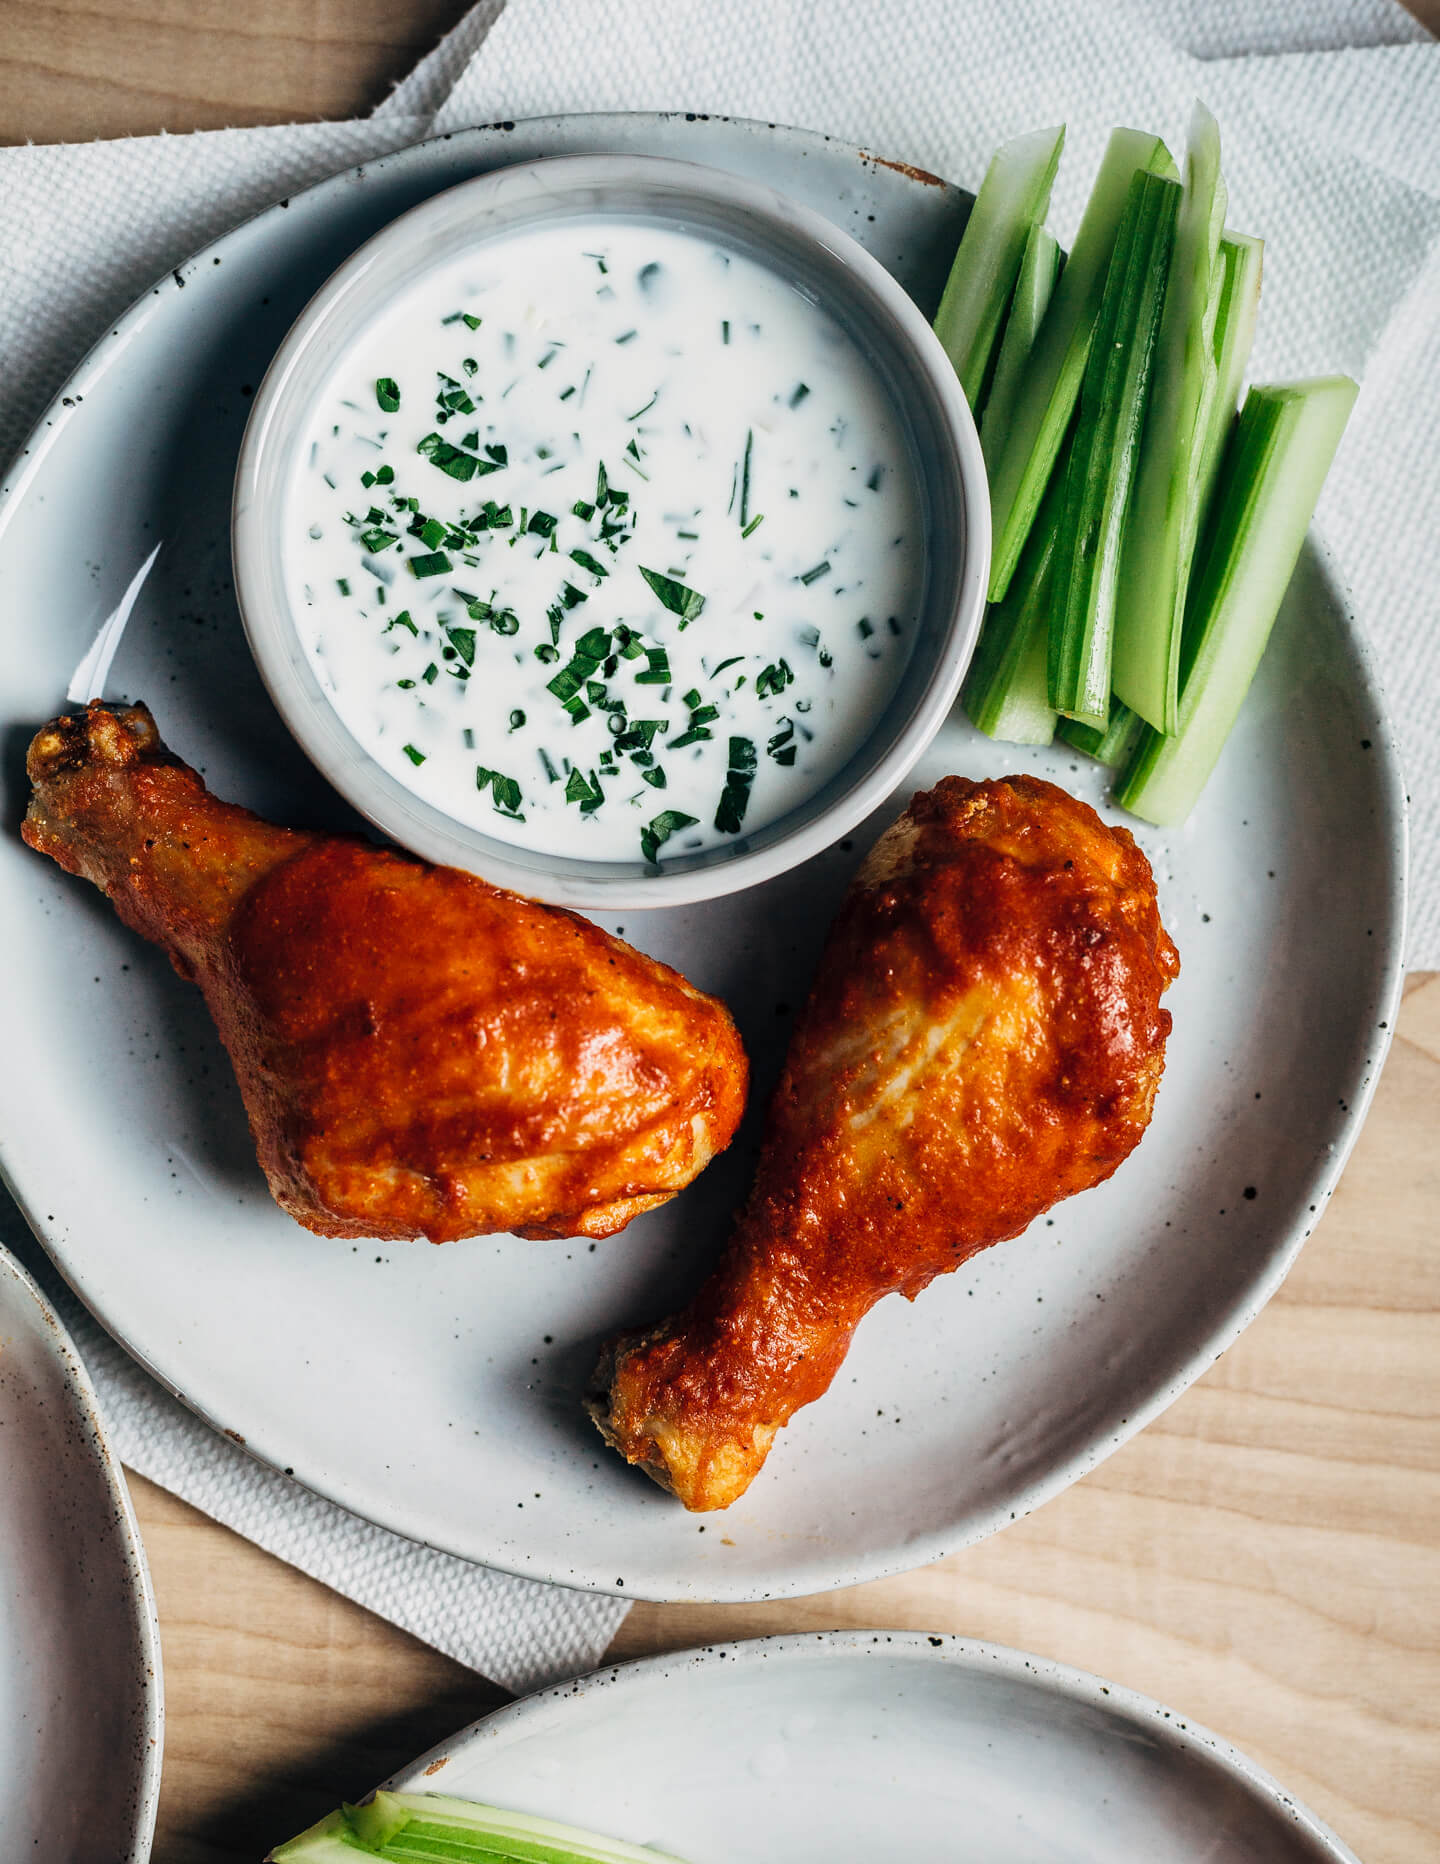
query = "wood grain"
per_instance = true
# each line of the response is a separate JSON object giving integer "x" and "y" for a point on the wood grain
{"x": 1265, "y": 1557}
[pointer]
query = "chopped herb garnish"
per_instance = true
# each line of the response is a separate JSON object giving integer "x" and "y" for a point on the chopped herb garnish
{"x": 387, "y": 393}
{"x": 402, "y": 620}
{"x": 435, "y": 564}
{"x": 463, "y": 642}
{"x": 376, "y": 540}
{"x": 754, "y": 524}
{"x": 657, "y": 669}
{"x": 873, "y": 483}
{"x": 745, "y": 479}
{"x": 471, "y": 322}
{"x": 431, "y": 674}
{"x": 798, "y": 394}
{"x": 809, "y": 576}
{"x": 773, "y": 681}
{"x": 686, "y": 603}
{"x": 342, "y": 584}
{"x": 542, "y": 523}
{"x": 588, "y": 795}
{"x": 646, "y": 409}
{"x": 782, "y": 746}
{"x": 500, "y": 455}
{"x": 431, "y": 533}
{"x": 725, "y": 330}
{"x": 587, "y": 562}
{"x": 385, "y": 475}
{"x": 416, "y": 757}
{"x": 552, "y": 775}
{"x": 659, "y": 830}
{"x": 733, "y": 661}
{"x": 505, "y": 791}
{"x": 517, "y": 719}
{"x": 735, "y": 797}
{"x": 405, "y": 685}
{"x": 865, "y": 627}
{"x": 655, "y": 777}
{"x": 454, "y": 460}
{"x": 627, "y": 336}
{"x": 582, "y": 510}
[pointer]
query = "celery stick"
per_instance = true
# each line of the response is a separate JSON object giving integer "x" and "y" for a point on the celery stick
{"x": 1107, "y": 441}
{"x": 1057, "y": 362}
{"x": 1273, "y": 469}
{"x": 1155, "y": 572}
{"x": 1005, "y": 693}
{"x": 1238, "y": 293}
{"x": 1039, "y": 269}
{"x": 1111, "y": 746}
{"x": 1013, "y": 196}
{"x": 429, "y": 1828}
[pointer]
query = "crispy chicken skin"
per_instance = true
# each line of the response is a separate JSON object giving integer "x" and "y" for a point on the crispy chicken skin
{"x": 984, "y": 1037}
{"x": 420, "y": 1054}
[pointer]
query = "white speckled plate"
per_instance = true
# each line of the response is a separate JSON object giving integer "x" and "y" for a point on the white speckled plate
{"x": 876, "y": 1745}
{"x": 437, "y": 1391}
{"x": 80, "y": 1714}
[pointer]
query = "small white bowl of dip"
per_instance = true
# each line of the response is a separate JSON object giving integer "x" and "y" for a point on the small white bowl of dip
{"x": 614, "y": 528}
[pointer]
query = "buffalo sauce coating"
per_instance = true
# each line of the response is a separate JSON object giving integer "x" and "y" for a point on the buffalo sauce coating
{"x": 984, "y": 1038}
{"x": 443, "y": 1041}
{"x": 419, "y": 1053}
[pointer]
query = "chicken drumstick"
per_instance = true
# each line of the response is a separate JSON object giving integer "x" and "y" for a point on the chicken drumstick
{"x": 419, "y": 1053}
{"x": 984, "y": 1037}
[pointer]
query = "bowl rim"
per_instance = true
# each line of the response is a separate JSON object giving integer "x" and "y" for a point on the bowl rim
{"x": 423, "y": 828}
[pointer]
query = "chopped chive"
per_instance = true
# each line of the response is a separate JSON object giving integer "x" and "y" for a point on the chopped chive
{"x": 627, "y": 336}
{"x": 754, "y": 524}
{"x": 384, "y": 475}
{"x": 435, "y": 564}
{"x": 342, "y": 584}
{"x": 745, "y": 479}
{"x": 542, "y": 523}
{"x": 416, "y": 757}
{"x": 657, "y": 670}
{"x": 810, "y": 576}
{"x": 402, "y": 620}
{"x": 582, "y": 510}
{"x": 387, "y": 393}
{"x": 405, "y": 685}
{"x": 646, "y": 409}
{"x": 733, "y": 661}
{"x": 552, "y": 775}
{"x": 587, "y": 562}
{"x": 725, "y": 330}
{"x": 798, "y": 394}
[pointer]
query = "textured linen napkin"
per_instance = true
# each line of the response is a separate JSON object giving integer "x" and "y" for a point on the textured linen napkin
{"x": 1330, "y": 111}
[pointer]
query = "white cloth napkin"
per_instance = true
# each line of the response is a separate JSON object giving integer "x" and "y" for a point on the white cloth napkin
{"x": 1330, "y": 111}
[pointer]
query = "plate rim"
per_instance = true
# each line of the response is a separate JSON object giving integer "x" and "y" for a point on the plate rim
{"x": 974, "y": 1657}
{"x": 73, "y": 1373}
{"x": 1384, "y": 989}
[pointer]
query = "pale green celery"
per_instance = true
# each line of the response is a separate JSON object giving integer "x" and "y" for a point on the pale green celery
{"x": 1057, "y": 361}
{"x": 429, "y": 1828}
{"x": 1271, "y": 476}
{"x": 1005, "y": 693}
{"x": 1014, "y": 195}
{"x": 1238, "y": 291}
{"x": 1155, "y": 572}
{"x": 1113, "y": 400}
{"x": 1114, "y": 744}
{"x": 1039, "y": 269}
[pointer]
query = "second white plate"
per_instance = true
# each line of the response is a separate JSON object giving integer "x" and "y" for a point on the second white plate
{"x": 876, "y": 1745}
{"x": 438, "y": 1391}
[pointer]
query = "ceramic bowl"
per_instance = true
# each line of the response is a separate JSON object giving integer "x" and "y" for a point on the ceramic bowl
{"x": 790, "y": 240}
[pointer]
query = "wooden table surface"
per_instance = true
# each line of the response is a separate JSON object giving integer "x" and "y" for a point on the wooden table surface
{"x": 1265, "y": 1557}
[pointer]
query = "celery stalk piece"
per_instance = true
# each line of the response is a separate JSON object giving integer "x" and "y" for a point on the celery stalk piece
{"x": 1155, "y": 573}
{"x": 1271, "y": 476}
{"x": 1057, "y": 362}
{"x": 1113, "y": 401}
{"x": 1039, "y": 269}
{"x": 1112, "y": 746}
{"x": 1238, "y": 269}
{"x": 1006, "y": 691}
{"x": 429, "y": 1828}
{"x": 1013, "y": 196}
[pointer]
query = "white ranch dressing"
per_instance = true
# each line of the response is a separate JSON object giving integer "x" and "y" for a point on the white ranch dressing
{"x": 513, "y": 666}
